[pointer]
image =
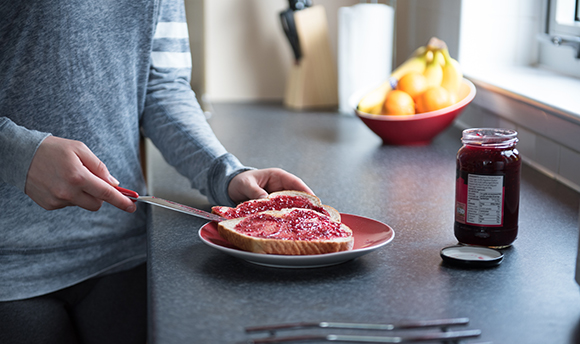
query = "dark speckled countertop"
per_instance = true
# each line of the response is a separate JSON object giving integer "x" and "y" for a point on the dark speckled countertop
{"x": 198, "y": 294}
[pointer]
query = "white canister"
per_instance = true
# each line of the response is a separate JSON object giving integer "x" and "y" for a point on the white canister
{"x": 365, "y": 49}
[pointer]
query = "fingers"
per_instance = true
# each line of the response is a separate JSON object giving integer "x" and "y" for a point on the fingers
{"x": 93, "y": 164}
{"x": 256, "y": 184}
{"x": 100, "y": 190}
{"x": 98, "y": 183}
{"x": 277, "y": 179}
{"x": 245, "y": 186}
{"x": 85, "y": 201}
{"x": 291, "y": 182}
{"x": 83, "y": 189}
{"x": 59, "y": 195}
{"x": 66, "y": 173}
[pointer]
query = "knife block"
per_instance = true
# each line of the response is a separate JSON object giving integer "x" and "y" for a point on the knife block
{"x": 312, "y": 81}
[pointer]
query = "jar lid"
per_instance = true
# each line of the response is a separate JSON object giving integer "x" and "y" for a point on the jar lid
{"x": 489, "y": 137}
{"x": 471, "y": 256}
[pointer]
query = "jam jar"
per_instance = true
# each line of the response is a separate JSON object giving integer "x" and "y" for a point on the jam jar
{"x": 487, "y": 189}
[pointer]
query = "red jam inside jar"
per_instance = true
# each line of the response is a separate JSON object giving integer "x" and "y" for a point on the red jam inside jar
{"x": 487, "y": 189}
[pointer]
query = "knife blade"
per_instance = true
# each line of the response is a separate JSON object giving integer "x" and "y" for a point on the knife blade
{"x": 170, "y": 205}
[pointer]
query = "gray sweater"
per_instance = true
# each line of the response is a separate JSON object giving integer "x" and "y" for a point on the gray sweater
{"x": 98, "y": 72}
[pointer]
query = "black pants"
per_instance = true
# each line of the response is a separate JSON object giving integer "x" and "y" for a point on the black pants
{"x": 109, "y": 309}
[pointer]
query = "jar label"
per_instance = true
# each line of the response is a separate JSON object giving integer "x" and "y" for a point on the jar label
{"x": 479, "y": 200}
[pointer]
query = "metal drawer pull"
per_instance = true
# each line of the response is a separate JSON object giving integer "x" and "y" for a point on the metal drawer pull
{"x": 443, "y": 323}
{"x": 444, "y": 335}
{"x": 447, "y": 336}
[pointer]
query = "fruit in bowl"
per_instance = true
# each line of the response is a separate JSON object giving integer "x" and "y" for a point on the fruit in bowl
{"x": 418, "y": 129}
{"x": 421, "y": 98}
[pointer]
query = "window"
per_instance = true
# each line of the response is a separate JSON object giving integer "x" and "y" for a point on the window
{"x": 560, "y": 40}
{"x": 563, "y": 18}
{"x": 516, "y": 88}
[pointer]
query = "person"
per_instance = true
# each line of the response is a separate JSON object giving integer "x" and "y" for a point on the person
{"x": 80, "y": 81}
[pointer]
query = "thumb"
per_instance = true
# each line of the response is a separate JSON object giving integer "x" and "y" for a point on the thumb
{"x": 94, "y": 164}
{"x": 255, "y": 192}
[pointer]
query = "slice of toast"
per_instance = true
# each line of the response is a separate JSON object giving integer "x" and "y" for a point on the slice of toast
{"x": 290, "y": 231}
{"x": 277, "y": 201}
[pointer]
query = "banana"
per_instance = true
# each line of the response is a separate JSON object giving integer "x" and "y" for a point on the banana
{"x": 434, "y": 70}
{"x": 452, "y": 76}
{"x": 373, "y": 102}
{"x": 415, "y": 63}
{"x": 433, "y": 61}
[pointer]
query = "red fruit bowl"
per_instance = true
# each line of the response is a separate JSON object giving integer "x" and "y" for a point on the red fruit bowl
{"x": 419, "y": 129}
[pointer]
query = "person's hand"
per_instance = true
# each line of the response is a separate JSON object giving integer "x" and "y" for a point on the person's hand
{"x": 255, "y": 184}
{"x": 66, "y": 173}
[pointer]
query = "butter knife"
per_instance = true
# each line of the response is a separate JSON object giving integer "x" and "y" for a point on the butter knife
{"x": 170, "y": 205}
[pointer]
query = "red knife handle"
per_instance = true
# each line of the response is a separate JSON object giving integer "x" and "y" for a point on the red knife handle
{"x": 127, "y": 192}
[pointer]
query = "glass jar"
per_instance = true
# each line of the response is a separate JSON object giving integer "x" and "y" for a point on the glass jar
{"x": 487, "y": 189}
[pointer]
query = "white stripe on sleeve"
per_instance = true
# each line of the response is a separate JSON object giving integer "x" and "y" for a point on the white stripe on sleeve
{"x": 171, "y": 30}
{"x": 170, "y": 60}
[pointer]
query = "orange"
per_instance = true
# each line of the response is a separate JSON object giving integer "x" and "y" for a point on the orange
{"x": 413, "y": 83}
{"x": 398, "y": 103}
{"x": 433, "y": 99}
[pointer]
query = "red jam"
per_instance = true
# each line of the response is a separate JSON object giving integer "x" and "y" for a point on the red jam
{"x": 296, "y": 225}
{"x": 276, "y": 203}
{"x": 487, "y": 191}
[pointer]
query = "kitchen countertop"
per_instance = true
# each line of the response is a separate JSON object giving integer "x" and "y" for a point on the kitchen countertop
{"x": 198, "y": 294}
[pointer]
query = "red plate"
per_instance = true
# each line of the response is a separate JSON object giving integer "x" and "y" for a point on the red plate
{"x": 369, "y": 235}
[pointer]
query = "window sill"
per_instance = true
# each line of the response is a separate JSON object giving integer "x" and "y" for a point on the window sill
{"x": 541, "y": 106}
{"x": 538, "y": 87}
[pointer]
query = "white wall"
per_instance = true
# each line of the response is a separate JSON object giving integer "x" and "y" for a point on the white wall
{"x": 246, "y": 54}
{"x": 501, "y": 59}
{"x": 509, "y": 41}
{"x": 240, "y": 52}
{"x": 419, "y": 20}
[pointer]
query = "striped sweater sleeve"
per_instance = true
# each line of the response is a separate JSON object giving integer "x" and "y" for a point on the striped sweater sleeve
{"x": 171, "y": 43}
{"x": 172, "y": 117}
